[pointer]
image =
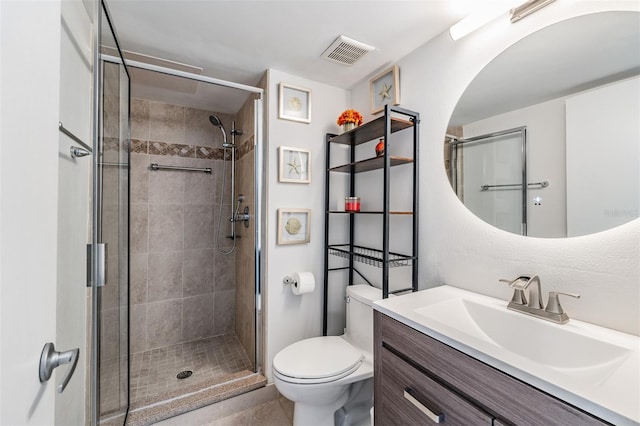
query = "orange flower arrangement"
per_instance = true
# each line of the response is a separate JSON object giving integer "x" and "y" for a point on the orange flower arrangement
{"x": 350, "y": 116}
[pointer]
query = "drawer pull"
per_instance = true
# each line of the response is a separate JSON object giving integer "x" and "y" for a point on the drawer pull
{"x": 436, "y": 418}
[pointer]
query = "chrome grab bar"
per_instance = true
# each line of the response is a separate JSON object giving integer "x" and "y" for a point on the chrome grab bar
{"x": 542, "y": 184}
{"x": 50, "y": 359}
{"x": 155, "y": 166}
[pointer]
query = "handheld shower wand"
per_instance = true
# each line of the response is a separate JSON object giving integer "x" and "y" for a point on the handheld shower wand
{"x": 215, "y": 120}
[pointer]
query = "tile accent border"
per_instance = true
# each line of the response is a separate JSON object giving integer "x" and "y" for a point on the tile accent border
{"x": 139, "y": 147}
{"x": 181, "y": 150}
{"x": 246, "y": 147}
{"x": 114, "y": 144}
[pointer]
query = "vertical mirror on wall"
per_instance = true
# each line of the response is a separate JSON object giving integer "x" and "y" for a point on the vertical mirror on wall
{"x": 112, "y": 175}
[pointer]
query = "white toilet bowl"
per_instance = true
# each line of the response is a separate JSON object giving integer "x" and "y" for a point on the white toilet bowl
{"x": 322, "y": 375}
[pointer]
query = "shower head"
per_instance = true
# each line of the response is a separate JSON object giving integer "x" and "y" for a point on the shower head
{"x": 215, "y": 120}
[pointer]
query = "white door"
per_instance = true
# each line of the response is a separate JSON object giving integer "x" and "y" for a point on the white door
{"x": 29, "y": 106}
{"x": 74, "y": 186}
{"x": 43, "y": 192}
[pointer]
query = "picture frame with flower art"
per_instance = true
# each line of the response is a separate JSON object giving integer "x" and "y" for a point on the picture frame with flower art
{"x": 294, "y": 103}
{"x": 294, "y": 165}
{"x": 384, "y": 89}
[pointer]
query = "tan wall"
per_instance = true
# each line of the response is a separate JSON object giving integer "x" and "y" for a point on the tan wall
{"x": 245, "y": 252}
{"x": 182, "y": 288}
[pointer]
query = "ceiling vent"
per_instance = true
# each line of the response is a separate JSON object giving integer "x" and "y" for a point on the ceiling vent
{"x": 346, "y": 51}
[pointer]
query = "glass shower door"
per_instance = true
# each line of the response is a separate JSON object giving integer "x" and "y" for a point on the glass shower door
{"x": 112, "y": 230}
{"x": 490, "y": 175}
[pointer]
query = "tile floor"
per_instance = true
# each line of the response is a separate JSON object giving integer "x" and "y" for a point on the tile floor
{"x": 261, "y": 407}
{"x": 153, "y": 373}
{"x": 270, "y": 413}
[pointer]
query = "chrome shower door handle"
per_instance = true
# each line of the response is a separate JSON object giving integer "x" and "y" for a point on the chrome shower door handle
{"x": 50, "y": 359}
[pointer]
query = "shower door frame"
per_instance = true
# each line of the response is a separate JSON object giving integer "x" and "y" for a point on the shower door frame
{"x": 259, "y": 167}
{"x": 454, "y": 144}
{"x": 98, "y": 251}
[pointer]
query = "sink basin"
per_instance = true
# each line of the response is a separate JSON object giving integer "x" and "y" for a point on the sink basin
{"x": 593, "y": 368}
{"x": 553, "y": 345}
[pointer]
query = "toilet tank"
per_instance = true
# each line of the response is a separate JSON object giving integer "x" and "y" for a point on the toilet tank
{"x": 359, "y": 331}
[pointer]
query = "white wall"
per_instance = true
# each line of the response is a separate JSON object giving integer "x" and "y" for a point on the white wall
{"x": 545, "y": 161}
{"x": 290, "y": 318}
{"x": 29, "y": 103}
{"x": 461, "y": 250}
{"x": 603, "y": 133}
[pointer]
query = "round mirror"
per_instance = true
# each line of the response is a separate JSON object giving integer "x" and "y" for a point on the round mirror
{"x": 545, "y": 141}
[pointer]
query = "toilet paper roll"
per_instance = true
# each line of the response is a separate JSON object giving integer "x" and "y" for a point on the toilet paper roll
{"x": 303, "y": 283}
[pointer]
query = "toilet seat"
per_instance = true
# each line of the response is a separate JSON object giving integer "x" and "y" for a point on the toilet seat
{"x": 317, "y": 360}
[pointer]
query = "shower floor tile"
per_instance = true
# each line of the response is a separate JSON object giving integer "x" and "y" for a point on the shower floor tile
{"x": 153, "y": 373}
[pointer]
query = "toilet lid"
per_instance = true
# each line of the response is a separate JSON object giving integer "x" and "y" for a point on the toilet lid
{"x": 317, "y": 358}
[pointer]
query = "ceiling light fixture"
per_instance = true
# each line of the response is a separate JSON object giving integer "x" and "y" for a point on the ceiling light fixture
{"x": 485, "y": 14}
{"x": 527, "y": 8}
{"x": 491, "y": 11}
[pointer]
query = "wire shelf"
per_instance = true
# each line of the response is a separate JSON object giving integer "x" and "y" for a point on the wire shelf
{"x": 370, "y": 256}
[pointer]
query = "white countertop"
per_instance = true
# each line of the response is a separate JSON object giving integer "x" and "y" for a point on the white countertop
{"x": 614, "y": 397}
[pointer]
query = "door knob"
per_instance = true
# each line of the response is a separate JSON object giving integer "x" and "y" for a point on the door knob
{"x": 50, "y": 359}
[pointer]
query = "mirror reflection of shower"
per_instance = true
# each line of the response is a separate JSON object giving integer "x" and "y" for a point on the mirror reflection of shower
{"x": 236, "y": 216}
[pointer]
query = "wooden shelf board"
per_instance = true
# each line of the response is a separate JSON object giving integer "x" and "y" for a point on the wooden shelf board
{"x": 370, "y": 164}
{"x": 370, "y": 212}
{"x": 369, "y": 131}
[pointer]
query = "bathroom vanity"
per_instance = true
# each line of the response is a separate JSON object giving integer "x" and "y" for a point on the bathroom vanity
{"x": 434, "y": 363}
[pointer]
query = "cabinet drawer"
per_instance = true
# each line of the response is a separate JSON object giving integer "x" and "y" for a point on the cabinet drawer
{"x": 498, "y": 393}
{"x": 406, "y": 391}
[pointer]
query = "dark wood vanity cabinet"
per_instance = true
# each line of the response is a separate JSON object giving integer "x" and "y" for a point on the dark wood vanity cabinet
{"x": 418, "y": 378}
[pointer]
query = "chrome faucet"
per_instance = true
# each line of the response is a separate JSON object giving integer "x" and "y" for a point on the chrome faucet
{"x": 553, "y": 312}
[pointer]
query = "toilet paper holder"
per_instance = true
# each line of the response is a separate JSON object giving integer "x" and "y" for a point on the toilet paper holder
{"x": 300, "y": 282}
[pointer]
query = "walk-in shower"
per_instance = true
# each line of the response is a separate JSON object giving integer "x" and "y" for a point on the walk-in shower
{"x": 187, "y": 328}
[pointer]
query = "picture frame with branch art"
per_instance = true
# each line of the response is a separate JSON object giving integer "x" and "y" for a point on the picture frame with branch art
{"x": 294, "y": 226}
{"x": 294, "y": 165}
{"x": 384, "y": 89}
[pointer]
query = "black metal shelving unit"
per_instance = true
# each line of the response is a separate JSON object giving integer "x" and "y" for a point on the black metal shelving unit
{"x": 395, "y": 119}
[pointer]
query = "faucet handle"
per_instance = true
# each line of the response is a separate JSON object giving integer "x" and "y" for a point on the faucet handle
{"x": 553, "y": 304}
{"x": 518, "y": 285}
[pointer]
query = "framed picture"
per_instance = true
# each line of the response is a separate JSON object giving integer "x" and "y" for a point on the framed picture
{"x": 294, "y": 165}
{"x": 294, "y": 226}
{"x": 294, "y": 103}
{"x": 385, "y": 89}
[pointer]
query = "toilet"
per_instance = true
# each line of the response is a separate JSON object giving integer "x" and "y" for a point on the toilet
{"x": 330, "y": 378}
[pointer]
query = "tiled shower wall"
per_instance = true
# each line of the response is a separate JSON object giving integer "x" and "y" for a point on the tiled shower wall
{"x": 181, "y": 288}
{"x": 245, "y": 250}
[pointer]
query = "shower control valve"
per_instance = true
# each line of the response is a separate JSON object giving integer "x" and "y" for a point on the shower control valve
{"x": 242, "y": 217}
